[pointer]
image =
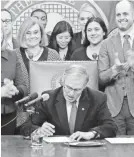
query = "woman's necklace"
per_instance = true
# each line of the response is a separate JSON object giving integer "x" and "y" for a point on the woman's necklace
{"x": 32, "y": 53}
{"x": 93, "y": 51}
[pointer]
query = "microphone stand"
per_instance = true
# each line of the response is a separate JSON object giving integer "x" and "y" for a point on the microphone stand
{"x": 31, "y": 110}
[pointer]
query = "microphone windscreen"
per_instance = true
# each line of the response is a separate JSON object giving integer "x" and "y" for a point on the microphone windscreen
{"x": 33, "y": 96}
{"x": 45, "y": 97}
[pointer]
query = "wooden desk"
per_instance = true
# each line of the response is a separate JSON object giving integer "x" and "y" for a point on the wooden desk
{"x": 16, "y": 146}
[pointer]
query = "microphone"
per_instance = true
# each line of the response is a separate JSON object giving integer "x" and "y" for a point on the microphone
{"x": 43, "y": 97}
{"x": 26, "y": 99}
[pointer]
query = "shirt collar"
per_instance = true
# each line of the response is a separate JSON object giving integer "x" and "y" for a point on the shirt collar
{"x": 36, "y": 57}
{"x": 129, "y": 32}
{"x": 77, "y": 102}
{"x": 10, "y": 42}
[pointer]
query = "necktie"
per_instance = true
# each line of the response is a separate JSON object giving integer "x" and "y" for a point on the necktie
{"x": 72, "y": 117}
{"x": 126, "y": 45}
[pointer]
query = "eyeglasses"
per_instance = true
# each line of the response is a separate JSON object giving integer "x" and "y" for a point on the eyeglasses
{"x": 7, "y": 21}
{"x": 69, "y": 89}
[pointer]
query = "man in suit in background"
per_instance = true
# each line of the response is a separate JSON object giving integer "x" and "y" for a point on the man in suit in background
{"x": 41, "y": 15}
{"x": 116, "y": 69}
{"x": 6, "y": 18}
{"x": 73, "y": 109}
{"x": 85, "y": 13}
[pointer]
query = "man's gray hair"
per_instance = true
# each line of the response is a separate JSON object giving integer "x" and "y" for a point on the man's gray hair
{"x": 78, "y": 70}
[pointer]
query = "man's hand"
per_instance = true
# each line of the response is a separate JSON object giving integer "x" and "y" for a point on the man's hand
{"x": 116, "y": 69}
{"x": 47, "y": 129}
{"x": 8, "y": 89}
{"x": 125, "y": 66}
{"x": 82, "y": 135}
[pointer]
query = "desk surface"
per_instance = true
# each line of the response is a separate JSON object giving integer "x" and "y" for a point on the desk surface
{"x": 16, "y": 146}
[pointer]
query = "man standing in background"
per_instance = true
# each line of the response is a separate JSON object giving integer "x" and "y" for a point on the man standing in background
{"x": 116, "y": 69}
{"x": 41, "y": 15}
{"x": 6, "y": 18}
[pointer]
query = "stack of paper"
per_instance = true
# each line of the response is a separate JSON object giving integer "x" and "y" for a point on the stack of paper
{"x": 119, "y": 140}
{"x": 60, "y": 139}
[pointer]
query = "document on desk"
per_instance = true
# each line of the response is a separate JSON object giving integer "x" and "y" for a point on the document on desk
{"x": 60, "y": 139}
{"x": 121, "y": 140}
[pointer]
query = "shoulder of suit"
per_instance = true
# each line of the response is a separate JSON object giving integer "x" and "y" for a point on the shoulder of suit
{"x": 77, "y": 33}
{"x": 11, "y": 52}
{"x": 95, "y": 93}
{"x": 109, "y": 39}
{"x": 79, "y": 49}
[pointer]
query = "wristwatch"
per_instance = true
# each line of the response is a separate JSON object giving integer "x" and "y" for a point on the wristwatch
{"x": 96, "y": 134}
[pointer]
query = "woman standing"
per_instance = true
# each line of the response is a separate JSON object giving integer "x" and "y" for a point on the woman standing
{"x": 13, "y": 87}
{"x": 95, "y": 33}
{"x": 62, "y": 40}
{"x": 31, "y": 39}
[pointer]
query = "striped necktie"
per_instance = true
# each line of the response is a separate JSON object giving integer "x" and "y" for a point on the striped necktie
{"x": 126, "y": 45}
{"x": 73, "y": 117}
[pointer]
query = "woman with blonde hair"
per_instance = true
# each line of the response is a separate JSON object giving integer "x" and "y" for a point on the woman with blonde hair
{"x": 31, "y": 36}
{"x": 13, "y": 87}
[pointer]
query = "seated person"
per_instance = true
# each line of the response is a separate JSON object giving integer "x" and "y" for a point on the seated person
{"x": 61, "y": 40}
{"x": 13, "y": 87}
{"x": 73, "y": 109}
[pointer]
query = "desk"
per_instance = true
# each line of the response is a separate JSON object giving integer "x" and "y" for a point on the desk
{"x": 16, "y": 146}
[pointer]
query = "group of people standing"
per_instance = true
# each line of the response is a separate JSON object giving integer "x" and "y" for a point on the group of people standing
{"x": 115, "y": 57}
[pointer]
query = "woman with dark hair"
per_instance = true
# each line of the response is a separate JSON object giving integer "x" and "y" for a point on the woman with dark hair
{"x": 61, "y": 40}
{"x": 95, "y": 33}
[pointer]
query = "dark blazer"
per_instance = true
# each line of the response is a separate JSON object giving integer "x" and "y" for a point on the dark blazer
{"x": 77, "y": 38}
{"x": 15, "y": 43}
{"x": 80, "y": 54}
{"x": 92, "y": 114}
{"x": 71, "y": 48}
{"x": 115, "y": 88}
{"x": 11, "y": 69}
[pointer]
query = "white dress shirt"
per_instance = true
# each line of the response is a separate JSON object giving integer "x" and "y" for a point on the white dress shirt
{"x": 69, "y": 107}
{"x": 129, "y": 32}
{"x": 9, "y": 43}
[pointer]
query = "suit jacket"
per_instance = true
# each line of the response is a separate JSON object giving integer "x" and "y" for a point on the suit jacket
{"x": 92, "y": 114}
{"x": 77, "y": 38}
{"x": 115, "y": 88}
{"x": 11, "y": 69}
{"x": 80, "y": 54}
{"x": 15, "y": 43}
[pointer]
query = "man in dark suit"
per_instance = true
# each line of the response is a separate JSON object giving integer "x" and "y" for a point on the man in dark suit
{"x": 116, "y": 69}
{"x": 6, "y": 18}
{"x": 73, "y": 109}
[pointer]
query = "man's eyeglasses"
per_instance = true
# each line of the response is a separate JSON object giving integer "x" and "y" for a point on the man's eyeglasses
{"x": 69, "y": 89}
{"x": 7, "y": 21}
